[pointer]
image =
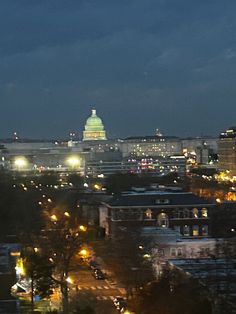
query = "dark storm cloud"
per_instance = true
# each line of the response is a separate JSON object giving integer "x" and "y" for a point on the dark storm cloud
{"x": 142, "y": 62}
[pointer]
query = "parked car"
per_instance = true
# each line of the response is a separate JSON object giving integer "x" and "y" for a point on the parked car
{"x": 98, "y": 274}
{"x": 120, "y": 303}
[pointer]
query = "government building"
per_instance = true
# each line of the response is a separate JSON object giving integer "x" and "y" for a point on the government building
{"x": 94, "y": 128}
{"x": 94, "y": 154}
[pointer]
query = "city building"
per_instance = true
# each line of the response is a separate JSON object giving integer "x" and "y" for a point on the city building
{"x": 183, "y": 212}
{"x": 94, "y": 128}
{"x": 151, "y": 146}
{"x": 95, "y": 155}
{"x": 227, "y": 151}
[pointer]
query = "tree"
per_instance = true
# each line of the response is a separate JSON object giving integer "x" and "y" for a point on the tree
{"x": 60, "y": 242}
{"x": 39, "y": 270}
{"x": 124, "y": 255}
{"x": 173, "y": 293}
{"x": 116, "y": 183}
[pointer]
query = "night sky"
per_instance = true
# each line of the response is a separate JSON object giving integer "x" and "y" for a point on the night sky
{"x": 144, "y": 64}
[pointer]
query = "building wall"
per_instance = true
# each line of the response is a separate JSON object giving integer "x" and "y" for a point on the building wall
{"x": 227, "y": 155}
{"x": 190, "y": 221}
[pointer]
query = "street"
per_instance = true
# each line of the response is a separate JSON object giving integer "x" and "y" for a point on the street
{"x": 98, "y": 293}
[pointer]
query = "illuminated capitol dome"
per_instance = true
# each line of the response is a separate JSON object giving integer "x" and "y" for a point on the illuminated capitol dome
{"x": 94, "y": 128}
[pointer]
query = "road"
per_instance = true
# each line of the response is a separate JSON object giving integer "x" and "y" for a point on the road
{"x": 99, "y": 293}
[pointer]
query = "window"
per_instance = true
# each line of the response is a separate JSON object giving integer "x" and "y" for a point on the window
{"x": 186, "y": 230}
{"x": 195, "y": 230}
{"x": 173, "y": 252}
{"x": 148, "y": 214}
{"x": 204, "y": 230}
{"x": 186, "y": 213}
{"x": 162, "y": 201}
{"x": 127, "y": 214}
{"x": 175, "y": 214}
{"x": 179, "y": 252}
{"x": 195, "y": 213}
{"x": 204, "y": 213}
{"x": 177, "y": 228}
{"x": 163, "y": 220}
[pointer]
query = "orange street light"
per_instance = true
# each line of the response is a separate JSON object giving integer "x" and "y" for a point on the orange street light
{"x": 54, "y": 218}
{"x": 82, "y": 228}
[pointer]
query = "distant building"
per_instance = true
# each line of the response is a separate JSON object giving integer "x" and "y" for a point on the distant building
{"x": 227, "y": 151}
{"x": 94, "y": 128}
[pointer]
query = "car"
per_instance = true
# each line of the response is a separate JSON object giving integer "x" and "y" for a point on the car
{"x": 98, "y": 274}
{"x": 119, "y": 303}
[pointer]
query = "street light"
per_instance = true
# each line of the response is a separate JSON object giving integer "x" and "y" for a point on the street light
{"x": 82, "y": 228}
{"x": 73, "y": 161}
{"x": 54, "y": 218}
{"x": 66, "y": 214}
{"x": 20, "y": 162}
{"x": 69, "y": 280}
{"x": 83, "y": 252}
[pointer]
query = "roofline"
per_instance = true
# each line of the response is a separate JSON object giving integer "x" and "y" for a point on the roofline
{"x": 158, "y": 206}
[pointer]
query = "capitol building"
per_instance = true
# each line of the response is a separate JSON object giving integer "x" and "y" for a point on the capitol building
{"x": 95, "y": 155}
{"x": 94, "y": 128}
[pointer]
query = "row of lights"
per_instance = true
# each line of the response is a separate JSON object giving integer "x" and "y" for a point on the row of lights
{"x": 21, "y": 162}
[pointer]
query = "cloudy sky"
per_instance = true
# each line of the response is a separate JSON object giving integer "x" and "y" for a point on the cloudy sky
{"x": 144, "y": 64}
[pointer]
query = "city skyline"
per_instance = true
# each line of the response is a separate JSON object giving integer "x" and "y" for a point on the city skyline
{"x": 143, "y": 65}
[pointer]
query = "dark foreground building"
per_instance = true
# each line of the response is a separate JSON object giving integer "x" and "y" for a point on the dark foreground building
{"x": 184, "y": 212}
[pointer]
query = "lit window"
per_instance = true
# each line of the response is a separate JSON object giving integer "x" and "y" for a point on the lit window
{"x": 148, "y": 214}
{"x": 163, "y": 220}
{"x": 195, "y": 230}
{"x": 195, "y": 212}
{"x": 204, "y": 213}
{"x": 205, "y": 230}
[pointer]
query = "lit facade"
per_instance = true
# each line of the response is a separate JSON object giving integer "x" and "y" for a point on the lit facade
{"x": 227, "y": 151}
{"x": 94, "y": 128}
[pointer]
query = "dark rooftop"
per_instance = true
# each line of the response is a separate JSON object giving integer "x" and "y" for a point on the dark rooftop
{"x": 157, "y": 198}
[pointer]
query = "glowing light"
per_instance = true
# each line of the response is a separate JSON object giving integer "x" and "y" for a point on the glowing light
{"x": 20, "y": 162}
{"x": 66, "y": 214}
{"x": 84, "y": 253}
{"x": 15, "y": 254}
{"x": 97, "y": 186}
{"x": 73, "y": 161}
{"x": 20, "y": 267}
{"x": 218, "y": 200}
{"x": 82, "y": 228}
{"x": 54, "y": 218}
{"x": 69, "y": 280}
